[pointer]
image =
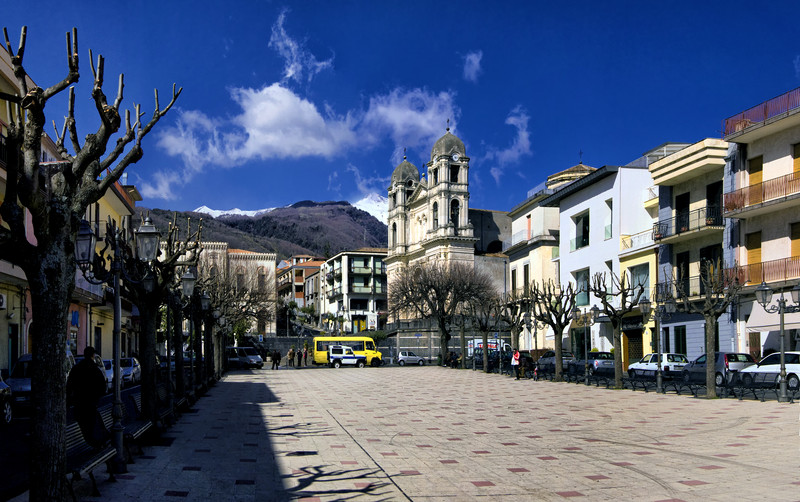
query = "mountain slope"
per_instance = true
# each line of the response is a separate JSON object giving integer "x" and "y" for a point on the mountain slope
{"x": 316, "y": 228}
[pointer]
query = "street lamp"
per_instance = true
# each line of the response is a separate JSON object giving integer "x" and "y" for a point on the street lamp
{"x": 764, "y": 297}
{"x": 586, "y": 320}
{"x": 92, "y": 267}
{"x": 660, "y": 313}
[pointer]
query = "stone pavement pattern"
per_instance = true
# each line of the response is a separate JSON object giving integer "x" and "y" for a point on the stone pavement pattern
{"x": 439, "y": 434}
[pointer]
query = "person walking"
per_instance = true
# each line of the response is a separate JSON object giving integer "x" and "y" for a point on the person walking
{"x": 305, "y": 356}
{"x": 276, "y": 359}
{"x": 86, "y": 384}
{"x": 515, "y": 363}
{"x": 290, "y": 357}
{"x": 299, "y": 358}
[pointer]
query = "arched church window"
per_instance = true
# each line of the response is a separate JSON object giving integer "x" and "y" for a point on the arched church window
{"x": 454, "y": 209}
{"x": 453, "y": 174}
{"x": 435, "y": 215}
{"x": 435, "y": 175}
{"x": 394, "y": 234}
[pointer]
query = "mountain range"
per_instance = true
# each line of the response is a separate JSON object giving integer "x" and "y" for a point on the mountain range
{"x": 306, "y": 227}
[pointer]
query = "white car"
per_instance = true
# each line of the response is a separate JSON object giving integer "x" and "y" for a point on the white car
{"x": 341, "y": 354}
{"x": 671, "y": 365}
{"x": 772, "y": 364}
{"x": 408, "y": 357}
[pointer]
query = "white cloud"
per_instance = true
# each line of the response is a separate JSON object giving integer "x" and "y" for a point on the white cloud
{"x": 519, "y": 147}
{"x": 472, "y": 66}
{"x": 413, "y": 118}
{"x": 368, "y": 184}
{"x": 298, "y": 62}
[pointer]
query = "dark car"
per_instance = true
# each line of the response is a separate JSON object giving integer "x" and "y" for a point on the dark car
{"x": 6, "y": 411}
{"x": 725, "y": 363}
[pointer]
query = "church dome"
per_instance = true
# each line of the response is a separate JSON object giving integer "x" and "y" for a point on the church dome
{"x": 448, "y": 145}
{"x": 405, "y": 171}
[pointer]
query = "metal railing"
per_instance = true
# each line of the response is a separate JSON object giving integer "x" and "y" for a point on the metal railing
{"x": 759, "y": 113}
{"x": 3, "y": 150}
{"x": 357, "y": 269}
{"x": 770, "y": 271}
{"x": 685, "y": 222}
{"x": 637, "y": 241}
{"x": 764, "y": 191}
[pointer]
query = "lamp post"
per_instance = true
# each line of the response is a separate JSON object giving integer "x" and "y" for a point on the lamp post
{"x": 93, "y": 268}
{"x": 660, "y": 313}
{"x": 585, "y": 319}
{"x": 764, "y": 297}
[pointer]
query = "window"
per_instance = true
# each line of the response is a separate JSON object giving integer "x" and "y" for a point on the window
{"x": 529, "y": 228}
{"x": 796, "y": 158}
{"x": 435, "y": 176}
{"x": 582, "y": 286}
{"x": 514, "y": 280}
{"x": 581, "y": 231}
{"x": 454, "y": 213}
{"x": 680, "y": 339}
{"x": 262, "y": 281}
{"x": 609, "y": 223}
{"x": 526, "y": 277}
{"x": 435, "y": 215}
{"x": 640, "y": 276}
{"x": 453, "y": 174}
{"x": 795, "y": 238}
{"x": 665, "y": 337}
{"x": 755, "y": 169}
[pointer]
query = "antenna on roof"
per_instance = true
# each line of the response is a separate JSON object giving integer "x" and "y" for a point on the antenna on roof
{"x": 580, "y": 157}
{"x": 448, "y": 125}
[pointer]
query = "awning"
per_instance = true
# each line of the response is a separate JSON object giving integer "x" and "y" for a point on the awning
{"x": 761, "y": 320}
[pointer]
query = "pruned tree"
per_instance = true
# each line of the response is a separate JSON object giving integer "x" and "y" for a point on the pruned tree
{"x": 435, "y": 290}
{"x": 552, "y": 305}
{"x": 56, "y": 200}
{"x": 160, "y": 277}
{"x": 516, "y": 303}
{"x": 718, "y": 288}
{"x": 487, "y": 315}
{"x": 618, "y": 297}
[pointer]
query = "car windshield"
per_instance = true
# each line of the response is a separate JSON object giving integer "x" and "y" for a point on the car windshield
{"x": 22, "y": 370}
{"x": 126, "y": 363}
{"x": 107, "y": 364}
{"x": 677, "y": 358}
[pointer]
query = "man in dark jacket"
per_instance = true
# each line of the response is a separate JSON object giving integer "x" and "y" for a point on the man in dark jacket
{"x": 85, "y": 386}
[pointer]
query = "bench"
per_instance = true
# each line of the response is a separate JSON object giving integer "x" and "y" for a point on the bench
{"x": 82, "y": 458}
{"x": 135, "y": 424}
{"x": 755, "y": 383}
{"x": 640, "y": 378}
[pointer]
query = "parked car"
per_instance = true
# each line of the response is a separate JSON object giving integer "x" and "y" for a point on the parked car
{"x": 477, "y": 359}
{"x": 599, "y": 363}
{"x": 408, "y": 357}
{"x": 671, "y": 365}
{"x": 131, "y": 370}
{"x": 340, "y": 355}
{"x": 20, "y": 379}
{"x": 108, "y": 369}
{"x": 6, "y": 398}
{"x": 725, "y": 363}
{"x": 548, "y": 360}
{"x": 772, "y": 364}
{"x": 243, "y": 357}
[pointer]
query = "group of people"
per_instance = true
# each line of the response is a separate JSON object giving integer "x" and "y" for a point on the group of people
{"x": 300, "y": 356}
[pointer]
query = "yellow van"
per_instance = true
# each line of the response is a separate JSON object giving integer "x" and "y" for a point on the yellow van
{"x": 361, "y": 345}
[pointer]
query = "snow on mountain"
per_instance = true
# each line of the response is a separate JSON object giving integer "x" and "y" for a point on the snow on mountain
{"x": 215, "y": 213}
{"x": 376, "y": 205}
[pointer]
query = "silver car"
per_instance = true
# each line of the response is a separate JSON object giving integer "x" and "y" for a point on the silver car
{"x": 408, "y": 357}
{"x": 725, "y": 363}
{"x": 601, "y": 363}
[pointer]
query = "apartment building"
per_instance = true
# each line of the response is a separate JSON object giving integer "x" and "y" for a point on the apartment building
{"x": 762, "y": 198}
{"x": 353, "y": 288}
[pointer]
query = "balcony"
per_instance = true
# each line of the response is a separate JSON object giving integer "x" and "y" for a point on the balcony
{"x": 637, "y": 242}
{"x": 380, "y": 269}
{"x": 742, "y": 125}
{"x": 771, "y": 271}
{"x": 768, "y": 196}
{"x": 522, "y": 237}
{"x": 360, "y": 269}
{"x": 357, "y": 288}
{"x": 650, "y": 198}
{"x": 333, "y": 292}
{"x": 689, "y": 225}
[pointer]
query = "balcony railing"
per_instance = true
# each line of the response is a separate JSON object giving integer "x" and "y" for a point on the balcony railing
{"x": 334, "y": 292}
{"x": 637, "y": 241}
{"x": 3, "y": 150}
{"x": 380, "y": 269}
{"x": 762, "y": 192}
{"x": 360, "y": 269}
{"x": 522, "y": 236}
{"x": 685, "y": 222}
{"x": 771, "y": 271}
{"x": 356, "y": 288}
{"x": 762, "y": 112}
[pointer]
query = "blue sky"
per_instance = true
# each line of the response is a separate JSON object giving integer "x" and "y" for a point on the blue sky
{"x": 286, "y": 101}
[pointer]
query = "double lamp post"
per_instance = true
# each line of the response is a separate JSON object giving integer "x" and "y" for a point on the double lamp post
{"x": 764, "y": 297}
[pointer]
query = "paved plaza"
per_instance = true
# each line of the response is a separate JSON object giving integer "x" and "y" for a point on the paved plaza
{"x": 433, "y": 433}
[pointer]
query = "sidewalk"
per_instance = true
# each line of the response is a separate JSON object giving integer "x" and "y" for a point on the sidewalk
{"x": 438, "y": 434}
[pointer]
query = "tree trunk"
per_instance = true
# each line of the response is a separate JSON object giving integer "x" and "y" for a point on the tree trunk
{"x": 147, "y": 357}
{"x": 463, "y": 347}
{"x": 177, "y": 342}
{"x": 208, "y": 349}
{"x": 559, "y": 362}
{"x": 51, "y": 289}
{"x": 485, "y": 340}
{"x": 711, "y": 366}
{"x": 515, "y": 338}
{"x": 617, "y": 354}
